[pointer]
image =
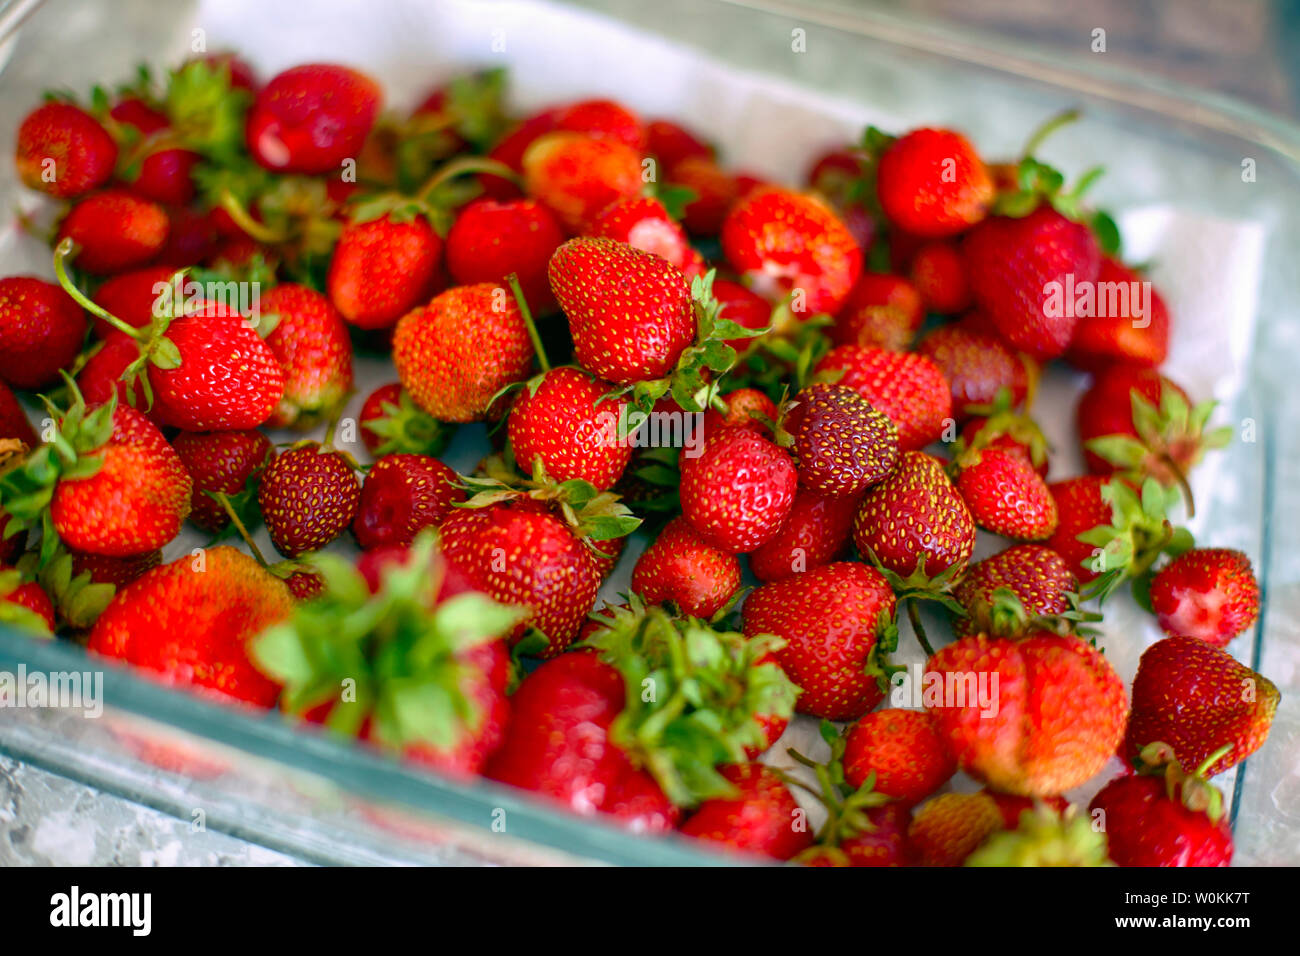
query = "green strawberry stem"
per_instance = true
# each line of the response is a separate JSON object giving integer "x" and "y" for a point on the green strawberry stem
{"x": 1053, "y": 123}
{"x": 527, "y": 313}
{"x": 914, "y": 616}
{"x": 1184, "y": 486}
{"x": 68, "y": 249}
{"x": 464, "y": 166}
{"x": 245, "y": 221}
{"x": 1208, "y": 762}
{"x": 224, "y": 501}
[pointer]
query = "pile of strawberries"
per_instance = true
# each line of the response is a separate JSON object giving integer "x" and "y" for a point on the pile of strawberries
{"x": 857, "y": 357}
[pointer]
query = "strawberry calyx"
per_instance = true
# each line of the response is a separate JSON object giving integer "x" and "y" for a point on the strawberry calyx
{"x": 1001, "y": 420}
{"x": 1139, "y": 533}
{"x": 786, "y": 356}
{"x": 436, "y": 199}
{"x": 78, "y": 600}
{"x": 846, "y": 806}
{"x": 1193, "y": 790}
{"x": 591, "y": 515}
{"x": 1045, "y": 837}
{"x": 205, "y": 110}
{"x": 393, "y": 658}
{"x": 405, "y": 428}
{"x": 1171, "y": 439}
{"x": 17, "y": 615}
{"x": 694, "y": 695}
{"x": 1005, "y": 615}
{"x": 920, "y": 586}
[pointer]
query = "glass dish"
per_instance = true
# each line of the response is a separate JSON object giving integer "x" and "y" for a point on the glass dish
{"x": 254, "y": 776}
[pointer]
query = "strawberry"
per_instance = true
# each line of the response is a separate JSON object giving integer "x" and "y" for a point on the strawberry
{"x": 1080, "y": 507}
{"x": 745, "y": 406}
{"x": 189, "y": 623}
{"x": 908, "y": 388}
{"x": 670, "y": 143}
{"x": 841, "y": 444}
{"x": 1013, "y": 432}
{"x": 132, "y": 297}
{"x": 938, "y": 273}
{"x": 403, "y": 495}
{"x": 229, "y": 463}
{"x": 1206, "y": 593}
{"x": 41, "y": 329}
{"x": 742, "y": 306}
{"x": 1007, "y": 496}
{"x": 977, "y": 366}
{"x": 902, "y": 750}
{"x": 115, "y": 231}
{"x": 787, "y": 242}
{"x": 105, "y": 375}
{"x": 24, "y": 604}
{"x": 1015, "y": 265}
{"x": 384, "y": 267}
{"x": 762, "y": 817}
{"x": 738, "y": 490}
{"x": 680, "y": 567}
{"x": 309, "y": 495}
{"x": 309, "y": 119}
{"x": 1130, "y": 333}
{"x": 454, "y": 354}
{"x": 562, "y": 423}
{"x": 644, "y": 223}
{"x": 839, "y": 175}
{"x": 1197, "y": 699}
{"x": 558, "y": 745}
{"x": 14, "y": 423}
{"x": 715, "y": 192}
{"x": 932, "y": 183}
{"x": 882, "y": 310}
{"x": 64, "y": 151}
{"x": 1164, "y": 816}
{"x": 524, "y": 556}
{"x": 118, "y": 572}
{"x": 952, "y": 826}
{"x": 834, "y": 619}
{"x": 510, "y": 148}
{"x": 603, "y": 119}
{"x": 410, "y": 637}
{"x": 491, "y": 240}
{"x": 915, "y": 521}
{"x": 390, "y": 422}
{"x": 309, "y": 338}
{"x": 880, "y": 841}
{"x": 1053, "y": 718}
{"x": 163, "y": 174}
{"x": 814, "y": 533}
{"x": 576, "y": 176}
{"x": 1003, "y": 593}
{"x": 629, "y": 311}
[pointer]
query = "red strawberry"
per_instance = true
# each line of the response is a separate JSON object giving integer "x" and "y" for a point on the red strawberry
{"x": 630, "y": 311}
{"x": 1131, "y": 332}
{"x": 908, "y": 388}
{"x": 839, "y": 176}
{"x": 311, "y": 342}
{"x": 951, "y": 827}
{"x": 682, "y": 568}
{"x": 309, "y": 495}
{"x": 670, "y": 143}
{"x": 831, "y": 619}
{"x": 742, "y": 306}
{"x": 383, "y": 268}
{"x": 976, "y": 365}
{"x": 1036, "y": 576}
{"x": 310, "y": 118}
{"x": 883, "y": 843}
{"x": 904, "y": 752}
{"x": 390, "y": 422}
{"x": 602, "y": 119}
{"x": 576, "y": 176}
{"x": 132, "y": 297}
{"x": 164, "y": 174}
{"x": 1079, "y": 508}
{"x": 1007, "y": 496}
{"x": 454, "y": 354}
{"x": 938, "y": 273}
{"x": 115, "y": 231}
{"x": 222, "y": 462}
{"x": 564, "y": 424}
{"x": 524, "y": 556}
{"x": 786, "y": 242}
{"x": 1012, "y": 432}
{"x": 715, "y": 190}
{"x": 915, "y": 517}
{"x": 1020, "y": 270}
{"x": 64, "y": 151}
{"x": 882, "y": 310}
{"x": 189, "y": 623}
{"x": 1197, "y": 699}
{"x": 1032, "y": 717}
{"x": 842, "y": 445}
{"x": 1164, "y": 818}
{"x": 510, "y": 150}
{"x": 738, "y": 490}
{"x": 118, "y": 572}
{"x": 1206, "y": 593}
{"x": 491, "y": 240}
{"x": 643, "y": 223}
{"x": 558, "y": 745}
{"x": 403, "y": 495}
{"x": 105, "y": 375}
{"x": 13, "y": 419}
{"x": 762, "y": 817}
{"x": 745, "y": 406}
{"x": 41, "y": 329}
{"x": 931, "y": 182}
{"x": 816, "y": 532}
{"x": 24, "y": 604}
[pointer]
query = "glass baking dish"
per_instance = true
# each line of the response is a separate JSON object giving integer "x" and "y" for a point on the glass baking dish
{"x": 255, "y": 776}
